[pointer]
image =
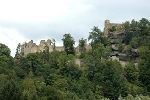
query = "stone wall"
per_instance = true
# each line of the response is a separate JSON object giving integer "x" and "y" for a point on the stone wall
{"x": 109, "y": 25}
{"x": 31, "y": 47}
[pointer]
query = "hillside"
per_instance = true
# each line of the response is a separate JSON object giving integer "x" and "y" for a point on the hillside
{"x": 52, "y": 74}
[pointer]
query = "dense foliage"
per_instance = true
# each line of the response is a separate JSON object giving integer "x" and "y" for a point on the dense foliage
{"x": 57, "y": 75}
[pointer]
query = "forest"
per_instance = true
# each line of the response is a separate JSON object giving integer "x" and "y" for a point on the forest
{"x": 56, "y": 75}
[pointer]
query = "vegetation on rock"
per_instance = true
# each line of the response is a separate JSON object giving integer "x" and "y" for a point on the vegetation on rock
{"x": 56, "y": 76}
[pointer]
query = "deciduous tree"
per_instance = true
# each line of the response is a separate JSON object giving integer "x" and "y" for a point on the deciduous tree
{"x": 68, "y": 43}
{"x": 96, "y": 37}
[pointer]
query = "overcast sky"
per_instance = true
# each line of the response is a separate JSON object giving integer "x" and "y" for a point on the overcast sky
{"x": 25, "y": 20}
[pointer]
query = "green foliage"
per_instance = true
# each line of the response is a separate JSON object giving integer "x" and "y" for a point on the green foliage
{"x": 29, "y": 89}
{"x": 71, "y": 70}
{"x": 61, "y": 84}
{"x": 113, "y": 82}
{"x": 132, "y": 73}
{"x": 138, "y": 97}
{"x": 135, "y": 89}
{"x": 144, "y": 66}
{"x": 33, "y": 63}
{"x": 82, "y": 45}
{"x": 20, "y": 72}
{"x": 51, "y": 79}
{"x": 135, "y": 42}
{"x": 120, "y": 47}
{"x": 96, "y": 37}
{"x": 53, "y": 42}
{"x": 68, "y": 43}
{"x": 54, "y": 94}
{"x": 143, "y": 23}
{"x": 18, "y": 51}
{"x": 4, "y": 50}
{"x": 126, "y": 25}
{"x": 112, "y": 29}
{"x": 133, "y": 24}
{"x": 11, "y": 91}
{"x": 57, "y": 76}
{"x": 5, "y": 59}
{"x": 101, "y": 52}
{"x": 137, "y": 32}
{"x": 128, "y": 38}
{"x": 4, "y": 79}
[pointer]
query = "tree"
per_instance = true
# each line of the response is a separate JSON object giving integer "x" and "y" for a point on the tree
{"x": 53, "y": 42}
{"x": 131, "y": 73}
{"x": 4, "y": 50}
{"x": 4, "y": 80}
{"x": 18, "y": 51}
{"x": 50, "y": 80}
{"x": 126, "y": 25}
{"x": 93, "y": 59}
{"x": 61, "y": 84}
{"x": 71, "y": 70}
{"x": 11, "y": 91}
{"x": 128, "y": 37}
{"x": 68, "y": 43}
{"x": 5, "y": 59}
{"x": 113, "y": 82}
{"x": 143, "y": 23}
{"x": 144, "y": 66}
{"x": 54, "y": 57}
{"x": 135, "y": 42}
{"x": 54, "y": 94}
{"x": 29, "y": 89}
{"x": 82, "y": 45}
{"x": 120, "y": 47}
{"x": 33, "y": 63}
{"x": 101, "y": 52}
{"x": 133, "y": 24}
{"x": 96, "y": 37}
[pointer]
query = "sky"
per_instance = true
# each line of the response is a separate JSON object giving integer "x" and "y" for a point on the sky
{"x": 25, "y": 20}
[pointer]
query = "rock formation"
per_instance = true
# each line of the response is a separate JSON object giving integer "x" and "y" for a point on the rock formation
{"x": 116, "y": 37}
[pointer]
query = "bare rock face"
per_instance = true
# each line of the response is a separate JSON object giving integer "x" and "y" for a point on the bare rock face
{"x": 116, "y": 37}
{"x": 125, "y": 55}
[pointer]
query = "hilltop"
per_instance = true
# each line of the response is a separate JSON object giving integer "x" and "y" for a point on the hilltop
{"x": 48, "y": 72}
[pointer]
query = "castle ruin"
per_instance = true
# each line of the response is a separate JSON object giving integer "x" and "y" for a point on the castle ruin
{"x": 31, "y": 47}
{"x": 115, "y": 37}
{"x": 108, "y": 25}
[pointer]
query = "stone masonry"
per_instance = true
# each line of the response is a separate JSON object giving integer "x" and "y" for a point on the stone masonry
{"x": 109, "y": 25}
{"x": 31, "y": 47}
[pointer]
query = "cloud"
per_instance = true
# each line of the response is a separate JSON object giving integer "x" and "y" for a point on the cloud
{"x": 11, "y": 38}
{"x": 30, "y": 10}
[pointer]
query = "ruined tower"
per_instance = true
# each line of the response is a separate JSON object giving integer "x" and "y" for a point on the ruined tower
{"x": 107, "y": 26}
